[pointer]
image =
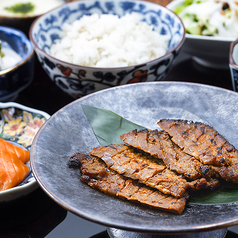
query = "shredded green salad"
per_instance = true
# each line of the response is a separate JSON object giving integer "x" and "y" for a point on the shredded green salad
{"x": 209, "y": 17}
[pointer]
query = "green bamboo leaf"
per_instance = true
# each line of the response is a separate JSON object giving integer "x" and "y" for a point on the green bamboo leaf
{"x": 108, "y": 126}
{"x": 222, "y": 195}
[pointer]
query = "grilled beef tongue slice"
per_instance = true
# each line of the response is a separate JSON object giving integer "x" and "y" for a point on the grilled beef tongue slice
{"x": 137, "y": 165}
{"x": 206, "y": 145}
{"x": 98, "y": 175}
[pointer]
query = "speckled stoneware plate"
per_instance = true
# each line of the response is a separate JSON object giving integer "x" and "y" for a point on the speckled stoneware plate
{"x": 68, "y": 131}
{"x": 18, "y": 125}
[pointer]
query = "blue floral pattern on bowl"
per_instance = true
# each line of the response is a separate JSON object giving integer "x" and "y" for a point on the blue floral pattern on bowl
{"x": 234, "y": 73}
{"x": 233, "y": 65}
{"x": 17, "y": 77}
{"x": 79, "y": 80}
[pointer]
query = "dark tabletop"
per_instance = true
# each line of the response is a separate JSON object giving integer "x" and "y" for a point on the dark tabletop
{"x": 37, "y": 215}
{"x": 44, "y": 95}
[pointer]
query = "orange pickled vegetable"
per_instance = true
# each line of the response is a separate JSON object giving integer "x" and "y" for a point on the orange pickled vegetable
{"x": 12, "y": 167}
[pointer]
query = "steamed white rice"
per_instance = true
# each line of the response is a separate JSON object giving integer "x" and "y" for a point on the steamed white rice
{"x": 109, "y": 41}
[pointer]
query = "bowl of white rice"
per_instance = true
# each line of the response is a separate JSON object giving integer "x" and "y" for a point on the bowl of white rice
{"x": 86, "y": 46}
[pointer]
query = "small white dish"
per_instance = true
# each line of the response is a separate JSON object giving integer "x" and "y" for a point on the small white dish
{"x": 19, "y": 125}
{"x": 208, "y": 51}
{"x": 11, "y": 12}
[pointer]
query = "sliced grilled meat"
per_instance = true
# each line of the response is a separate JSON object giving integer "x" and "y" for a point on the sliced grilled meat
{"x": 144, "y": 168}
{"x": 158, "y": 144}
{"x": 205, "y": 144}
{"x": 197, "y": 139}
{"x": 228, "y": 173}
{"x": 199, "y": 184}
{"x": 97, "y": 175}
{"x": 140, "y": 166}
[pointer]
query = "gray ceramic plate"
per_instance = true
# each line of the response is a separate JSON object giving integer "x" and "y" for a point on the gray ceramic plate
{"x": 68, "y": 131}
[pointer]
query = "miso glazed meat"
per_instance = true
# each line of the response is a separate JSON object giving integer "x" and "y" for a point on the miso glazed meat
{"x": 141, "y": 167}
{"x": 135, "y": 164}
{"x": 206, "y": 145}
{"x": 97, "y": 175}
{"x": 159, "y": 144}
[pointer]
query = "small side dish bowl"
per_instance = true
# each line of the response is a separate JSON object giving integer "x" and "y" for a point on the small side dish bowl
{"x": 233, "y": 64}
{"x": 20, "y": 14}
{"x": 17, "y": 76}
{"x": 208, "y": 51}
{"x": 80, "y": 80}
{"x": 19, "y": 125}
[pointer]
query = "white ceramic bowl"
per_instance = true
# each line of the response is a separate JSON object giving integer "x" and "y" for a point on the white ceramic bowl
{"x": 208, "y": 51}
{"x": 77, "y": 80}
{"x": 23, "y": 21}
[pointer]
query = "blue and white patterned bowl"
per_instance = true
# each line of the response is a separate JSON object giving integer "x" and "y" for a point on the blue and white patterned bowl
{"x": 17, "y": 77}
{"x": 233, "y": 64}
{"x": 77, "y": 80}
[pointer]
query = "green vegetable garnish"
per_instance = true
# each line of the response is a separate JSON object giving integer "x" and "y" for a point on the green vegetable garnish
{"x": 1, "y": 53}
{"x": 22, "y": 8}
{"x": 191, "y": 23}
{"x": 186, "y": 3}
{"x": 195, "y": 24}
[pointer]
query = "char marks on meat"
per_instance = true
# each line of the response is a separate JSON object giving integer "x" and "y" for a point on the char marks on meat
{"x": 142, "y": 167}
{"x": 97, "y": 175}
{"x": 205, "y": 144}
{"x": 199, "y": 184}
{"x": 158, "y": 144}
{"x": 148, "y": 170}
